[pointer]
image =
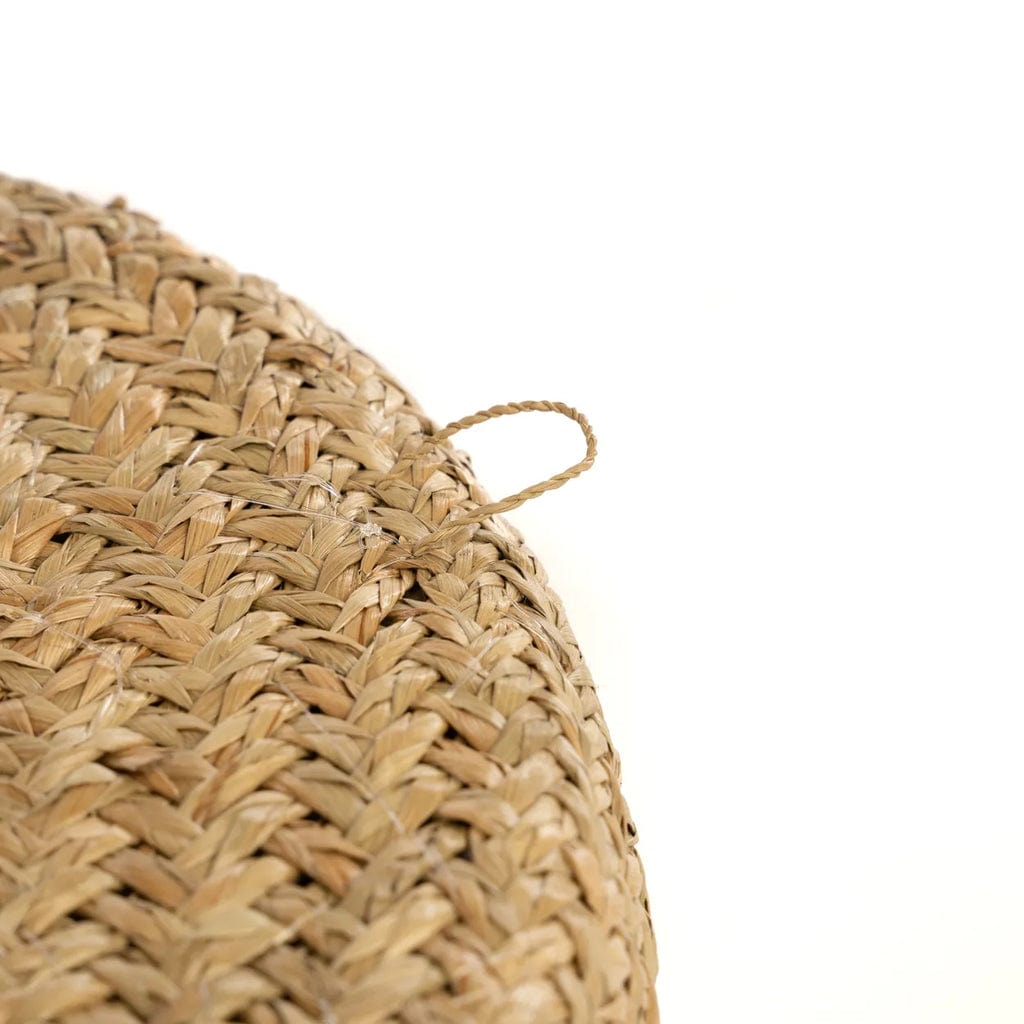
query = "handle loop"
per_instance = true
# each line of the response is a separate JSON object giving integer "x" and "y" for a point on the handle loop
{"x": 523, "y": 496}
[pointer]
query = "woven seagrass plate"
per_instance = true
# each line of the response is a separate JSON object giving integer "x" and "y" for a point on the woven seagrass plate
{"x": 292, "y": 728}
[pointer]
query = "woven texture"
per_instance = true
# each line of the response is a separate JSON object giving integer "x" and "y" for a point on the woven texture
{"x": 264, "y": 755}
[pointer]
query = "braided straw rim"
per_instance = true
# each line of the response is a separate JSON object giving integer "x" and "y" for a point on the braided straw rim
{"x": 292, "y": 727}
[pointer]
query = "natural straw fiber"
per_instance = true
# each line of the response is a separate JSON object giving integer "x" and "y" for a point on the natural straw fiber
{"x": 292, "y": 728}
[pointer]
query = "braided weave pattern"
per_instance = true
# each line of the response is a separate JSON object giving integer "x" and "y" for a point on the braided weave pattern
{"x": 264, "y": 756}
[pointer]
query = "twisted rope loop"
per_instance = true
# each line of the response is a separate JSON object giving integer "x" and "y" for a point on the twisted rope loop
{"x": 520, "y": 497}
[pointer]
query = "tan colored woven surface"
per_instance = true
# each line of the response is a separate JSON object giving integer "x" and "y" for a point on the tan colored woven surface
{"x": 263, "y": 756}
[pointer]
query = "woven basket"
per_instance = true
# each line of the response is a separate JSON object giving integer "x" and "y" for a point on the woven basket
{"x": 292, "y": 728}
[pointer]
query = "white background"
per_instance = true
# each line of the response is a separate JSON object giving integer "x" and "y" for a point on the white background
{"x": 776, "y": 252}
